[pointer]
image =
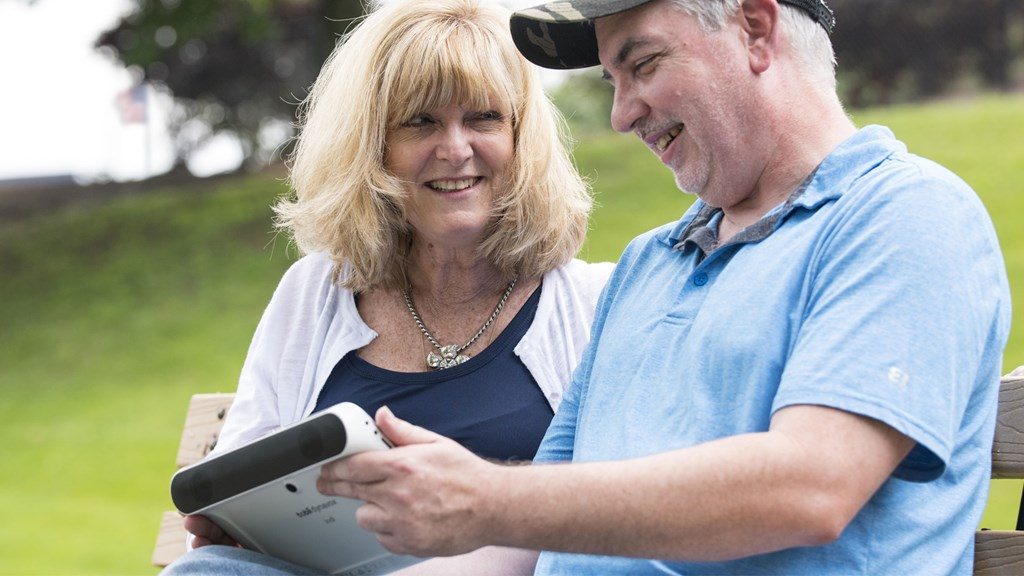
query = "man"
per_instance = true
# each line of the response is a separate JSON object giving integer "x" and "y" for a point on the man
{"x": 798, "y": 377}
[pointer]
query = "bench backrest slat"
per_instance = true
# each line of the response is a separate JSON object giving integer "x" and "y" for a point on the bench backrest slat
{"x": 1008, "y": 448}
{"x": 206, "y": 413}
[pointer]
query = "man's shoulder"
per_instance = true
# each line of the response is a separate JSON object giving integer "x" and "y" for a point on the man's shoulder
{"x": 910, "y": 186}
{"x": 662, "y": 237}
{"x": 645, "y": 252}
{"x": 877, "y": 163}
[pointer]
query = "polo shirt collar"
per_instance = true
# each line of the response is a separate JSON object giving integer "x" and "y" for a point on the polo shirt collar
{"x": 854, "y": 157}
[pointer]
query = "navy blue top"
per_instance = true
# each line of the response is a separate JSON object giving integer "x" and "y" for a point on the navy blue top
{"x": 490, "y": 404}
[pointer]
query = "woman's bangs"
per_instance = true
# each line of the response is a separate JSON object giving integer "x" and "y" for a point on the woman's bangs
{"x": 435, "y": 76}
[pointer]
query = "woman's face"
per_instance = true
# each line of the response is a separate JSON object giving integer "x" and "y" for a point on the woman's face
{"x": 452, "y": 161}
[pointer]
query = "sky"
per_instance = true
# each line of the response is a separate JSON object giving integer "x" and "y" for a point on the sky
{"x": 57, "y": 110}
{"x": 58, "y": 113}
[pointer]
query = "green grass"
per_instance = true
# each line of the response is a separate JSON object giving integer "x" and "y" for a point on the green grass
{"x": 112, "y": 316}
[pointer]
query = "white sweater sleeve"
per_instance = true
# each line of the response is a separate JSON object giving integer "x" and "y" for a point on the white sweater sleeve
{"x": 278, "y": 352}
{"x": 554, "y": 344}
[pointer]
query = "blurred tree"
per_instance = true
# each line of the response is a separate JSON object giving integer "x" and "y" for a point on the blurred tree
{"x": 907, "y": 49}
{"x": 236, "y": 66}
{"x": 888, "y": 51}
{"x": 585, "y": 100}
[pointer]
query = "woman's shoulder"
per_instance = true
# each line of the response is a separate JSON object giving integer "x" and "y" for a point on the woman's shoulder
{"x": 313, "y": 269}
{"x": 589, "y": 273}
{"x": 312, "y": 277}
{"x": 586, "y": 279}
{"x": 312, "y": 264}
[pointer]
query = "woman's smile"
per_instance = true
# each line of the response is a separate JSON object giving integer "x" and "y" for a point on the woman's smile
{"x": 454, "y": 185}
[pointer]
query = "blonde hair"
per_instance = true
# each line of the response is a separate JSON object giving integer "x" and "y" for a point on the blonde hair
{"x": 404, "y": 58}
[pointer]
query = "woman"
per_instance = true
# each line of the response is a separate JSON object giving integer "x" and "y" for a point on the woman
{"x": 439, "y": 211}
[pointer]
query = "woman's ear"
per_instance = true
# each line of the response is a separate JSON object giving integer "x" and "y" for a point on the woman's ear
{"x": 759, "y": 20}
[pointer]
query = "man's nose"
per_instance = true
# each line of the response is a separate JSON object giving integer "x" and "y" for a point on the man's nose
{"x": 627, "y": 109}
{"x": 456, "y": 146}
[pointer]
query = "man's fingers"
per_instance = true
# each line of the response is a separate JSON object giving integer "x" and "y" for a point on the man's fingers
{"x": 371, "y": 492}
{"x": 360, "y": 468}
{"x": 336, "y": 488}
{"x": 402, "y": 433}
{"x": 373, "y": 518}
{"x": 393, "y": 544}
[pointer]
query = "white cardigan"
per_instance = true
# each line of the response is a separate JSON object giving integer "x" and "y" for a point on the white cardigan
{"x": 312, "y": 322}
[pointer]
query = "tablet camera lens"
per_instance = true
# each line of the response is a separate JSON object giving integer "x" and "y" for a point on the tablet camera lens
{"x": 291, "y": 488}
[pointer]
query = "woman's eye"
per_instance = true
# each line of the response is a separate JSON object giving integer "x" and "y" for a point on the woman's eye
{"x": 490, "y": 116}
{"x": 419, "y": 121}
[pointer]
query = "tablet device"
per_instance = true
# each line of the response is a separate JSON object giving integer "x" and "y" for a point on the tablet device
{"x": 264, "y": 495}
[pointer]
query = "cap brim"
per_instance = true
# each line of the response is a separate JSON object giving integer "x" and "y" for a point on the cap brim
{"x": 561, "y": 34}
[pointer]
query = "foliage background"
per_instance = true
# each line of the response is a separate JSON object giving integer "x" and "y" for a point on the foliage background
{"x": 240, "y": 66}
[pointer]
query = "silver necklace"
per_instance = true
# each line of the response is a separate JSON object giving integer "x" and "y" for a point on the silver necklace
{"x": 450, "y": 354}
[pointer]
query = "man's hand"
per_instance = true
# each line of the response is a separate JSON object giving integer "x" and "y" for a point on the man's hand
{"x": 425, "y": 497}
{"x": 206, "y": 532}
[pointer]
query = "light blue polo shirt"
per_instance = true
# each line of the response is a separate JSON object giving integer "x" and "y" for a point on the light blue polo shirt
{"x": 878, "y": 288}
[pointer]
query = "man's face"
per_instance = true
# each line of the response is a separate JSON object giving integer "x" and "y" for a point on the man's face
{"x": 688, "y": 95}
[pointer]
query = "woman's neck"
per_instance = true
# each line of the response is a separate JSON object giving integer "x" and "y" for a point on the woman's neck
{"x": 441, "y": 276}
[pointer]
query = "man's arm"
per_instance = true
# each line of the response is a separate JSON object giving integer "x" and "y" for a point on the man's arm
{"x": 799, "y": 484}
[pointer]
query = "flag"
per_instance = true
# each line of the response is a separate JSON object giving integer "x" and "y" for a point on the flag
{"x": 131, "y": 103}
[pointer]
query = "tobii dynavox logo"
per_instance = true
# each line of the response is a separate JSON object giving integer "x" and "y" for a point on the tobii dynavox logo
{"x": 314, "y": 509}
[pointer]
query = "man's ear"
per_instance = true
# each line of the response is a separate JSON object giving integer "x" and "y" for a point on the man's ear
{"x": 760, "y": 20}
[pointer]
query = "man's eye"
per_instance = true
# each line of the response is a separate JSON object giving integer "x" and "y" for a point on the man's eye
{"x": 644, "y": 65}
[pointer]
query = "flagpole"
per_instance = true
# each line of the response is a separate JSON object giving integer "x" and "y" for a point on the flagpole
{"x": 145, "y": 101}
{"x": 133, "y": 105}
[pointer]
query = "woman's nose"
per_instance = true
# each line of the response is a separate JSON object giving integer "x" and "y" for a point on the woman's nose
{"x": 456, "y": 146}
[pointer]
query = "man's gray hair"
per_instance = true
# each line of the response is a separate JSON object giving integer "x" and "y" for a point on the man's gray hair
{"x": 809, "y": 41}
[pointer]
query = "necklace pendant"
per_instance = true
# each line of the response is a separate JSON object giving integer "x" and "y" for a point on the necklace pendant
{"x": 450, "y": 354}
{"x": 449, "y": 357}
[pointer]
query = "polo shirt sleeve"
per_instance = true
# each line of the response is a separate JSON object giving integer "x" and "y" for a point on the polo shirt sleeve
{"x": 900, "y": 300}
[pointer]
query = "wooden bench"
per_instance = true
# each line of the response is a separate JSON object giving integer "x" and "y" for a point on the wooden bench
{"x": 998, "y": 552}
{"x": 206, "y": 413}
{"x": 995, "y": 552}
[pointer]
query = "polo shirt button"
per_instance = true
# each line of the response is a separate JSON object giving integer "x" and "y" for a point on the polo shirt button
{"x": 700, "y": 279}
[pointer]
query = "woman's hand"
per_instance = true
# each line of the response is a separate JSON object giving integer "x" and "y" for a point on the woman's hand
{"x": 423, "y": 497}
{"x": 206, "y": 532}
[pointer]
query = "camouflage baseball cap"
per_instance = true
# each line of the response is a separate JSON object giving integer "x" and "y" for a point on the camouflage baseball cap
{"x": 561, "y": 34}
